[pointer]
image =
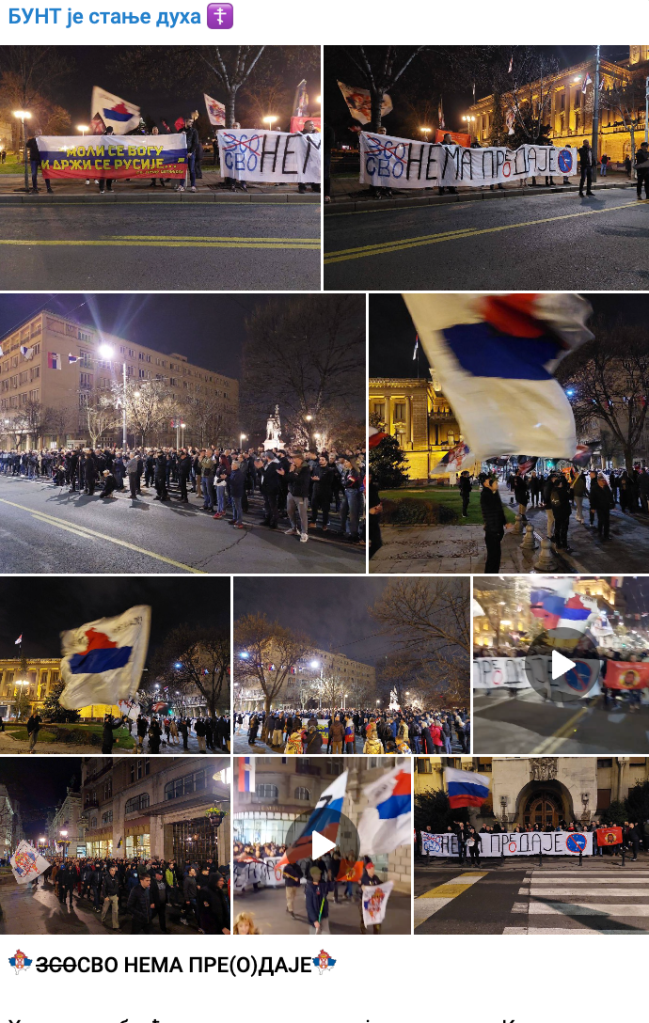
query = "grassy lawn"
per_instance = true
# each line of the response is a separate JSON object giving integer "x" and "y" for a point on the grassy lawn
{"x": 80, "y": 734}
{"x": 449, "y": 496}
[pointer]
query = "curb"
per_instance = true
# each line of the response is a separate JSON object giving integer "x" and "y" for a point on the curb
{"x": 351, "y": 205}
{"x": 202, "y": 198}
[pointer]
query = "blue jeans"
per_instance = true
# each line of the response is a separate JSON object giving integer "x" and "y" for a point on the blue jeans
{"x": 191, "y": 167}
{"x": 220, "y": 499}
{"x": 417, "y": 741}
{"x": 447, "y": 744}
{"x": 207, "y": 487}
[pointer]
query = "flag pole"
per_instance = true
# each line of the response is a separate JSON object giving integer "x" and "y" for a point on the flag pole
{"x": 595, "y": 142}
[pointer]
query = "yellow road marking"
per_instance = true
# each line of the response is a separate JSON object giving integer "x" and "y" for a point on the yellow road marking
{"x": 209, "y": 238}
{"x": 553, "y": 742}
{"x": 86, "y": 532}
{"x": 313, "y": 244}
{"x": 398, "y": 245}
{"x": 194, "y": 202}
{"x": 446, "y": 891}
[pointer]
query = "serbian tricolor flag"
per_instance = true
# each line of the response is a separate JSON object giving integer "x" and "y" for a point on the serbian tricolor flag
{"x": 19, "y": 640}
{"x": 387, "y": 822}
{"x": 376, "y": 436}
{"x": 465, "y": 788}
{"x": 454, "y": 458}
{"x": 587, "y": 81}
{"x": 103, "y": 660}
{"x": 556, "y": 605}
{"x": 246, "y": 781}
{"x": 495, "y": 357}
{"x": 325, "y": 819}
{"x": 609, "y": 836}
{"x": 116, "y": 113}
{"x": 54, "y": 360}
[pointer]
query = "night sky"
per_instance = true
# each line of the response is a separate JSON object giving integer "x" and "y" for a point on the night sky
{"x": 457, "y": 95}
{"x": 39, "y": 784}
{"x": 332, "y": 612}
{"x": 42, "y": 608}
{"x": 208, "y": 329}
{"x": 95, "y": 65}
{"x": 392, "y": 334}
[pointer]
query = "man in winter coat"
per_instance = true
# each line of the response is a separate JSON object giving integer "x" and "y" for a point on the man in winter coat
{"x": 464, "y": 486}
{"x": 140, "y": 906}
{"x": 495, "y": 523}
{"x": 110, "y": 892}
{"x": 605, "y": 501}
{"x": 299, "y": 479}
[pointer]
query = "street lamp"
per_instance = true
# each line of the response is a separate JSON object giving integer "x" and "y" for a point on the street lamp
{"x": 83, "y": 128}
{"x": 107, "y": 352}
{"x": 24, "y": 115}
{"x": 242, "y": 437}
{"x": 426, "y": 132}
{"x": 270, "y": 121}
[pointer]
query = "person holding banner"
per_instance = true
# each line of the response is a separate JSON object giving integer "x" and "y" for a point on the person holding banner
{"x": 192, "y": 149}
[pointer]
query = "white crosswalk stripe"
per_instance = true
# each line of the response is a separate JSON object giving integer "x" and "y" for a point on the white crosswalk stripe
{"x": 590, "y": 900}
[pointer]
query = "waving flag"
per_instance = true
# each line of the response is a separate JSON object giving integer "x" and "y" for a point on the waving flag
{"x": 556, "y": 605}
{"x": 360, "y": 104}
{"x": 116, "y": 113}
{"x": 1, "y": 352}
{"x": 495, "y": 356}
{"x": 301, "y": 101}
{"x": 26, "y": 352}
{"x": 387, "y": 822}
{"x": 27, "y": 863}
{"x": 454, "y": 459}
{"x": 103, "y": 661}
{"x": 73, "y": 358}
{"x": 466, "y": 788}
{"x": 19, "y": 640}
{"x": 325, "y": 819}
{"x": 246, "y": 774}
{"x": 440, "y": 114}
{"x": 215, "y": 110}
{"x": 587, "y": 81}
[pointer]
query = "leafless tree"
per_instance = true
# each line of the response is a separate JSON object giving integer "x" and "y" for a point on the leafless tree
{"x": 270, "y": 651}
{"x": 197, "y": 659}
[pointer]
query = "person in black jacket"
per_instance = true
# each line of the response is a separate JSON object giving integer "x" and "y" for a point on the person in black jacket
{"x": 184, "y": 470}
{"x": 299, "y": 478}
{"x": 642, "y": 169}
{"x": 586, "y": 168}
{"x": 36, "y": 162}
{"x": 192, "y": 150}
{"x": 313, "y": 739}
{"x": 110, "y": 892}
{"x": 604, "y": 502}
{"x": 107, "y": 738}
{"x": 464, "y": 486}
{"x": 495, "y": 523}
{"x": 160, "y": 477}
{"x": 159, "y": 898}
{"x": 561, "y": 508}
{"x": 323, "y": 479}
{"x": 140, "y": 906}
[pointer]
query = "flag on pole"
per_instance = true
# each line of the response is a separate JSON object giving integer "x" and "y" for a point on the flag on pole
{"x": 215, "y": 110}
{"x": 27, "y": 863}
{"x": 360, "y": 104}
{"x": 246, "y": 774}
{"x": 301, "y": 101}
{"x": 386, "y": 822}
{"x": 511, "y": 65}
{"x": 587, "y": 81}
{"x": 26, "y": 352}
{"x": 73, "y": 358}
{"x": 414, "y": 354}
{"x": 440, "y": 114}
{"x": 103, "y": 660}
{"x": 19, "y": 640}
{"x": 1, "y": 352}
{"x": 466, "y": 788}
{"x": 325, "y": 819}
{"x": 54, "y": 360}
{"x": 495, "y": 356}
{"x": 116, "y": 113}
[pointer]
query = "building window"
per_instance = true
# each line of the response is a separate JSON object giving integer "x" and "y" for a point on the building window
{"x": 373, "y": 762}
{"x": 136, "y": 803}
{"x": 605, "y": 761}
{"x": 139, "y": 770}
{"x": 379, "y": 410}
{"x": 108, "y": 789}
{"x": 107, "y": 817}
{"x": 185, "y": 786}
{"x": 400, "y": 412}
{"x": 301, "y": 793}
{"x": 93, "y": 822}
{"x": 603, "y": 799}
{"x": 267, "y": 791}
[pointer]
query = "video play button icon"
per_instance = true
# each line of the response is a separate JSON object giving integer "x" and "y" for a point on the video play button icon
{"x": 560, "y": 664}
{"x": 320, "y": 845}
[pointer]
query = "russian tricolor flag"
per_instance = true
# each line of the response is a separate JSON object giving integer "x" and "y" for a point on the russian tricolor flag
{"x": 466, "y": 788}
{"x": 496, "y": 356}
{"x": 246, "y": 781}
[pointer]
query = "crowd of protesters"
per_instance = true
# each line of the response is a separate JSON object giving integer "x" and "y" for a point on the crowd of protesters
{"x": 320, "y": 880}
{"x": 298, "y": 489}
{"x": 134, "y": 894}
{"x": 296, "y": 731}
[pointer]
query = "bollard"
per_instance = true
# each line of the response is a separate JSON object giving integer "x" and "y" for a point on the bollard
{"x": 623, "y": 856}
{"x": 580, "y": 859}
{"x": 529, "y": 543}
{"x": 547, "y": 560}
{"x": 518, "y": 525}
{"x": 540, "y": 857}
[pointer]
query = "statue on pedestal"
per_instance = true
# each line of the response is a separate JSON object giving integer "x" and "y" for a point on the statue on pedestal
{"x": 273, "y": 431}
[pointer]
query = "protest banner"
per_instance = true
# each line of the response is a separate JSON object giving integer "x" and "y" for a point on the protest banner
{"x": 535, "y": 671}
{"x": 609, "y": 836}
{"x": 267, "y": 156}
{"x": 249, "y": 872}
{"x": 405, "y": 163}
{"x": 27, "y": 863}
{"x": 105, "y": 156}
{"x": 375, "y": 902}
{"x": 626, "y": 675}
{"x": 526, "y": 843}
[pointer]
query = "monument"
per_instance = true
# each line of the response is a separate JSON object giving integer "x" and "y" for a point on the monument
{"x": 273, "y": 431}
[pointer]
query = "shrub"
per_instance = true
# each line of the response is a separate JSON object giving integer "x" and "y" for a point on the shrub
{"x": 409, "y": 511}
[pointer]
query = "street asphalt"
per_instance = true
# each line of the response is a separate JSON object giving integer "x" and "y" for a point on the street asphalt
{"x": 268, "y": 907}
{"x": 201, "y": 245}
{"x": 555, "y": 241}
{"x": 600, "y": 896}
{"x": 45, "y": 529}
{"x": 527, "y": 723}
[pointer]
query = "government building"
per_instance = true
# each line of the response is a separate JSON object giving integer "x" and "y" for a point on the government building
{"x": 286, "y": 787}
{"x": 417, "y": 414}
{"x": 155, "y": 806}
{"x": 569, "y": 111}
{"x": 540, "y": 790}
{"x": 26, "y": 683}
{"x": 60, "y": 365}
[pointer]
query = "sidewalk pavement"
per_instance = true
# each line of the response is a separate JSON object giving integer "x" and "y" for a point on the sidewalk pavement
{"x": 209, "y": 188}
{"x": 351, "y": 194}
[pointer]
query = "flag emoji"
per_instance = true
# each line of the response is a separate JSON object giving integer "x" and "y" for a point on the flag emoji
{"x": 246, "y": 774}
{"x": 387, "y": 822}
{"x": 103, "y": 660}
{"x": 466, "y": 788}
{"x": 495, "y": 357}
{"x": 54, "y": 360}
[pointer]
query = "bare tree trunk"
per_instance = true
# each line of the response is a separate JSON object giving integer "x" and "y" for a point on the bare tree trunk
{"x": 377, "y": 105}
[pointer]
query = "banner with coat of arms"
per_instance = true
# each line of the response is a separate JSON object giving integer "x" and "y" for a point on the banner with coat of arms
{"x": 375, "y": 902}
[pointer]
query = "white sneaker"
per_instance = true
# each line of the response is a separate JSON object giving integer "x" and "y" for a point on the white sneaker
{"x": 304, "y": 537}
{"x": 193, "y": 188}
{"x": 181, "y": 188}
{"x": 290, "y": 532}
{"x": 87, "y": 181}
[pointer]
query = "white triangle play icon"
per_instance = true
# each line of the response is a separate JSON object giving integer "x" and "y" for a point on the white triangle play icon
{"x": 320, "y": 845}
{"x": 560, "y": 664}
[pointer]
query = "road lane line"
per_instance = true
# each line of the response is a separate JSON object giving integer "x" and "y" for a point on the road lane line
{"x": 85, "y": 531}
{"x": 313, "y": 245}
{"x": 384, "y": 248}
{"x": 432, "y": 901}
{"x": 554, "y": 742}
